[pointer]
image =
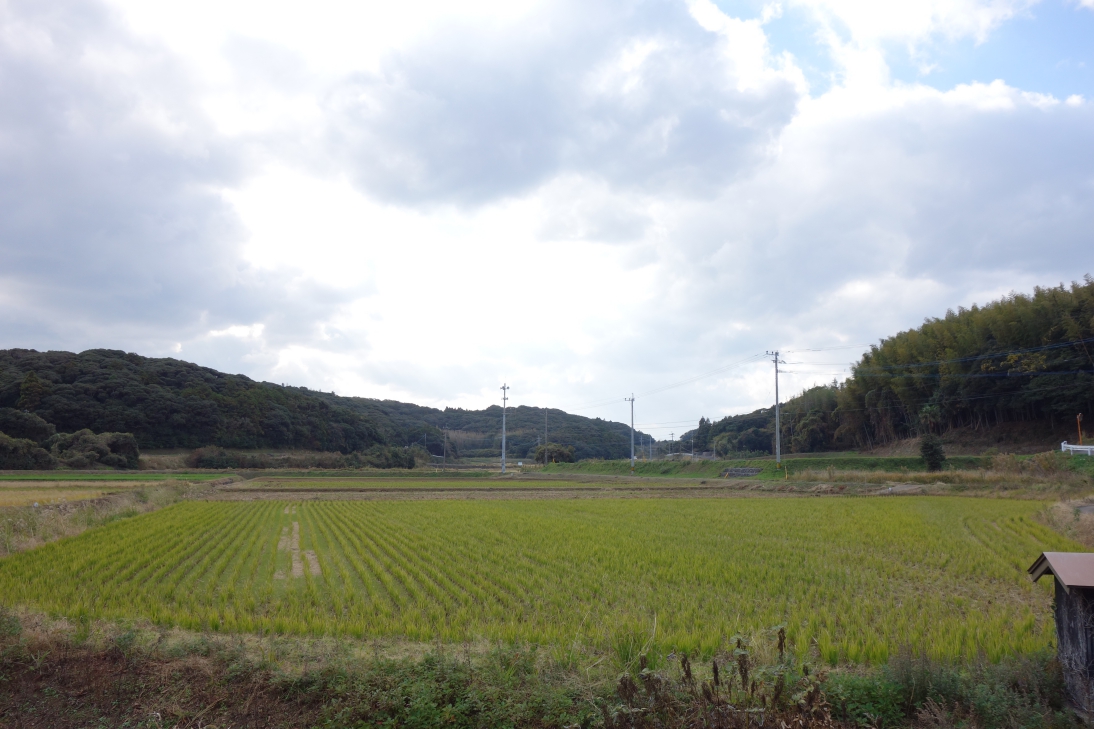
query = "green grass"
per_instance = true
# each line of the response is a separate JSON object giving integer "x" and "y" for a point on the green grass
{"x": 427, "y": 472}
{"x": 1081, "y": 464}
{"x": 861, "y": 577}
{"x": 714, "y": 469}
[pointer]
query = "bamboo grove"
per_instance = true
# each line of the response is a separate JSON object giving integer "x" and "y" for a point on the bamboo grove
{"x": 1024, "y": 358}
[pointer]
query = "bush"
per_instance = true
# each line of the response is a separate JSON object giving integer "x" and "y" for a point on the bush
{"x": 554, "y": 453}
{"x": 930, "y": 448}
{"x": 376, "y": 457}
{"x": 18, "y": 424}
{"x": 1026, "y": 691}
{"x": 20, "y": 454}
{"x": 84, "y": 449}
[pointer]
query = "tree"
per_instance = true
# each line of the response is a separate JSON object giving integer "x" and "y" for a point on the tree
{"x": 18, "y": 424}
{"x": 702, "y": 435}
{"x": 555, "y": 453}
{"x": 21, "y": 454}
{"x": 31, "y": 392}
{"x": 930, "y": 448}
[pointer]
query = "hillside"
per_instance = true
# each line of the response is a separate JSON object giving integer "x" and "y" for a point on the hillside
{"x": 1012, "y": 375}
{"x": 168, "y": 403}
{"x": 477, "y": 433}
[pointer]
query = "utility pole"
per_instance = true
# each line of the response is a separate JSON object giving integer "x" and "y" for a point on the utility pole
{"x": 444, "y": 452}
{"x": 651, "y": 447}
{"x": 631, "y": 401}
{"x": 672, "y": 443}
{"x": 545, "y": 449}
{"x": 504, "y": 400}
{"x": 778, "y": 429}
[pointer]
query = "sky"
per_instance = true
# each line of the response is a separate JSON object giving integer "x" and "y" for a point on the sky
{"x": 583, "y": 200}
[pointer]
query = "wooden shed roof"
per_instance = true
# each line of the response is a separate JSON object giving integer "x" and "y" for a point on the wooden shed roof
{"x": 1072, "y": 569}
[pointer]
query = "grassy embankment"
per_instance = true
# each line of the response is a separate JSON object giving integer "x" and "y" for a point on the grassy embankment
{"x": 110, "y": 475}
{"x": 24, "y": 526}
{"x": 57, "y": 488}
{"x": 714, "y": 469}
{"x": 65, "y": 675}
{"x": 1044, "y": 472}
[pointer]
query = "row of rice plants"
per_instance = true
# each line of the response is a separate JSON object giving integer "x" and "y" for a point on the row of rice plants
{"x": 858, "y": 578}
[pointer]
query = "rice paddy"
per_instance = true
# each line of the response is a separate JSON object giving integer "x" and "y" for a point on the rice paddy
{"x": 859, "y": 578}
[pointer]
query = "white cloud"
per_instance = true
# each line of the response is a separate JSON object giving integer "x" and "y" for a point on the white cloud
{"x": 420, "y": 200}
{"x": 240, "y": 331}
{"x": 916, "y": 21}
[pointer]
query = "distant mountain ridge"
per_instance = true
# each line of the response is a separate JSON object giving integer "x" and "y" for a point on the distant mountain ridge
{"x": 169, "y": 403}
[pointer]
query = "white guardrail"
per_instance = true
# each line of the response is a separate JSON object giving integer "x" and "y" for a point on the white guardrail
{"x": 1088, "y": 450}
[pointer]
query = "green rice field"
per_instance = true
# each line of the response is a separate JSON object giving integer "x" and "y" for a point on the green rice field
{"x": 861, "y": 577}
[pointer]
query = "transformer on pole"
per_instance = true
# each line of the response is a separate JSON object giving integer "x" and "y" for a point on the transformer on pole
{"x": 504, "y": 399}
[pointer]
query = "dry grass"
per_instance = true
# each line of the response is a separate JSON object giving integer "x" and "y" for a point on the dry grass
{"x": 1072, "y": 520}
{"x": 167, "y": 462}
{"x": 26, "y": 527}
{"x": 27, "y": 497}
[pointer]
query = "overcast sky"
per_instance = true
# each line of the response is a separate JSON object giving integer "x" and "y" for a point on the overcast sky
{"x": 421, "y": 201}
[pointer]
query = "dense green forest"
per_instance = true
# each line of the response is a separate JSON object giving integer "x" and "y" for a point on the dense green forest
{"x": 167, "y": 403}
{"x": 1025, "y": 358}
{"x": 477, "y": 433}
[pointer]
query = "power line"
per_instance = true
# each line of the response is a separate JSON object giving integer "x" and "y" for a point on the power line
{"x": 830, "y": 349}
{"x": 688, "y": 381}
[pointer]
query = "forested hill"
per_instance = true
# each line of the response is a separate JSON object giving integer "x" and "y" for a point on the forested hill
{"x": 478, "y": 432}
{"x": 167, "y": 403}
{"x": 1024, "y": 359}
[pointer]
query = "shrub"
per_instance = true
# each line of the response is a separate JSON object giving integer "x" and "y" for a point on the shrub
{"x": 554, "y": 453}
{"x": 930, "y": 448}
{"x": 1026, "y": 691}
{"x": 84, "y": 449}
{"x": 375, "y": 457}
{"x": 20, "y": 454}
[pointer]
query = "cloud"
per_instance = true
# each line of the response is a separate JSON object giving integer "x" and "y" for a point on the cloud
{"x": 113, "y": 228}
{"x": 637, "y": 95}
{"x": 583, "y": 199}
{"x": 915, "y": 21}
{"x": 105, "y": 171}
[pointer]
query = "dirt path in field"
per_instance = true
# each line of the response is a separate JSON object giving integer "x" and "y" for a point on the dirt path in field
{"x": 294, "y": 550}
{"x": 290, "y": 542}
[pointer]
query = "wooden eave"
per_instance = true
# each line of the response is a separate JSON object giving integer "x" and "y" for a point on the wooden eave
{"x": 1071, "y": 569}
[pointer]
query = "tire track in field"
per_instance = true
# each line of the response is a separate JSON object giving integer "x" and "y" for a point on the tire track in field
{"x": 290, "y": 542}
